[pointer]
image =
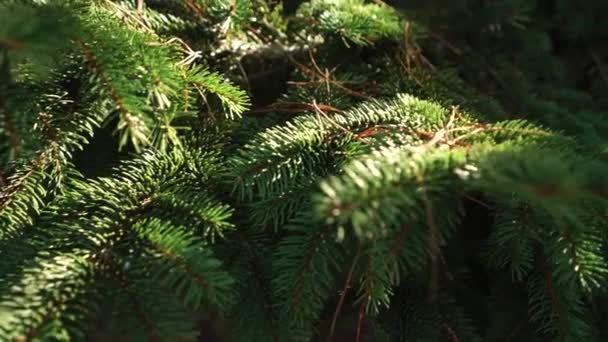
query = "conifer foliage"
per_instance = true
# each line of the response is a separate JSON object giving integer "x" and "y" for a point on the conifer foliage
{"x": 323, "y": 170}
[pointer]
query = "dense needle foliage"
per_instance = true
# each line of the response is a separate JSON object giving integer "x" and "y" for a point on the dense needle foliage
{"x": 323, "y": 170}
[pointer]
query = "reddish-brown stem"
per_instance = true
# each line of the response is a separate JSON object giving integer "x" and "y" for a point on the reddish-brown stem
{"x": 343, "y": 294}
{"x": 360, "y": 319}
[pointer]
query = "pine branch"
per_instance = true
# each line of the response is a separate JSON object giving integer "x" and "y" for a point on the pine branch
{"x": 44, "y": 303}
{"x": 303, "y": 280}
{"x": 184, "y": 265}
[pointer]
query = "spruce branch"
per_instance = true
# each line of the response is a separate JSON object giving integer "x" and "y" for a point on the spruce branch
{"x": 384, "y": 174}
{"x": 44, "y": 302}
{"x": 149, "y": 328}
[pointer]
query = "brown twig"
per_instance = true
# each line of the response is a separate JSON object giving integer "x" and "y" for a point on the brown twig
{"x": 298, "y": 108}
{"x": 412, "y": 50}
{"x": 451, "y": 47}
{"x": 471, "y": 198}
{"x": 320, "y": 112}
{"x": 440, "y": 134}
{"x": 195, "y": 8}
{"x": 324, "y": 77}
{"x": 137, "y": 18}
{"x": 343, "y": 294}
{"x": 360, "y": 318}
